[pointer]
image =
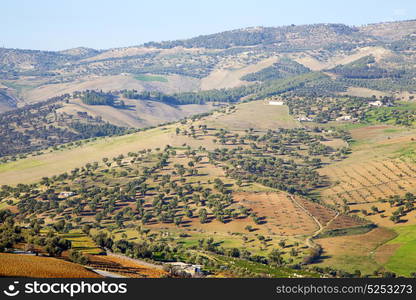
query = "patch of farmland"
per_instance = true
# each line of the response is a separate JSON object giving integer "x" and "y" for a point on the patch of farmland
{"x": 321, "y": 213}
{"x": 366, "y": 182}
{"x": 140, "y": 113}
{"x": 354, "y": 252}
{"x": 384, "y": 211}
{"x": 345, "y": 221}
{"x": 21, "y": 265}
{"x": 283, "y": 216}
{"x": 258, "y": 115}
{"x": 123, "y": 266}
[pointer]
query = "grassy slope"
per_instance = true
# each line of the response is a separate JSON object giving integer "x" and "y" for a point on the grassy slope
{"x": 33, "y": 168}
{"x": 375, "y": 143}
{"x": 370, "y": 143}
{"x": 354, "y": 252}
{"x": 82, "y": 242}
{"x": 254, "y": 114}
{"x": 33, "y": 91}
{"x": 403, "y": 260}
{"x": 139, "y": 113}
{"x": 258, "y": 115}
{"x": 231, "y": 77}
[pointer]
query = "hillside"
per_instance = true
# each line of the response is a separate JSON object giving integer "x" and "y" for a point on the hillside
{"x": 219, "y": 60}
{"x": 258, "y": 152}
{"x": 42, "y": 125}
{"x": 190, "y": 179}
{"x": 237, "y": 180}
{"x": 7, "y": 101}
{"x": 389, "y": 31}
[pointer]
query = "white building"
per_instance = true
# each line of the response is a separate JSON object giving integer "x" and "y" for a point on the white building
{"x": 376, "y": 103}
{"x": 66, "y": 194}
{"x": 304, "y": 119}
{"x": 193, "y": 270}
{"x": 344, "y": 118}
{"x": 276, "y": 102}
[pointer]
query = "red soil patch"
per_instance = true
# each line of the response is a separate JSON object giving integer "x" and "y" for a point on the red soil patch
{"x": 320, "y": 212}
{"x": 124, "y": 267}
{"x": 344, "y": 221}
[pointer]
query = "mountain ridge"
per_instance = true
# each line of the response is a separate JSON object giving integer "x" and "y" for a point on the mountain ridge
{"x": 213, "y": 61}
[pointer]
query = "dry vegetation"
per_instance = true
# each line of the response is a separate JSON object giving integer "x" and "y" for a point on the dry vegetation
{"x": 367, "y": 182}
{"x": 378, "y": 167}
{"x": 20, "y": 265}
{"x": 138, "y": 113}
{"x": 381, "y": 217}
{"x": 284, "y": 217}
{"x": 258, "y": 115}
{"x": 123, "y": 266}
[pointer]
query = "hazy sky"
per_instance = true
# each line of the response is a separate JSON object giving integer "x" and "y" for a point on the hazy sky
{"x": 63, "y": 24}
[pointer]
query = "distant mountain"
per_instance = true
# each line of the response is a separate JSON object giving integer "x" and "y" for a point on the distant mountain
{"x": 389, "y": 31}
{"x": 282, "y": 39}
{"x": 80, "y": 52}
{"x": 286, "y": 37}
{"x": 220, "y": 60}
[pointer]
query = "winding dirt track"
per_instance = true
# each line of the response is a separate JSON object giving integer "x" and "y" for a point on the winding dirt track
{"x": 309, "y": 240}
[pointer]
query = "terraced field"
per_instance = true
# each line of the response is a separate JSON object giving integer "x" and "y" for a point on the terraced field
{"x": 381, "y": 164}
{"x": 367, "y": 182}
{"x": 380, "y": 169}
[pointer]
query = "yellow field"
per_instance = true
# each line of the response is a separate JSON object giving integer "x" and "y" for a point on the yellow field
{"x": 18, "y": 265}
{"x": 81, "y": 242}
{"x": 32, "y": 169}
{"x": 124, "y": 266}
{"x": 283, "y": 216}
{"x": 257, "y": 115}
{"x": 381, "y": 218}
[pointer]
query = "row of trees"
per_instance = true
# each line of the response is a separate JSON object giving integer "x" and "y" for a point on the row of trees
{"x": 284, "y": 68}
{"x": 365, "y": 68}
{"x": 42, "y": 125}
{"x": 91, "y": 97}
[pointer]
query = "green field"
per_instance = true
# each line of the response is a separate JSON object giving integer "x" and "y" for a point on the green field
{"x": 257, "y": 115}
{"x": 403, "y": 261}
{"x": 31, "y": 169}
{"x": 150, "y": 78}
{"x": 390, "y": 115}
{"x": 259, "y": 268}
{"x": 81, "y": 242}
{"x": 20, "y": 165}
